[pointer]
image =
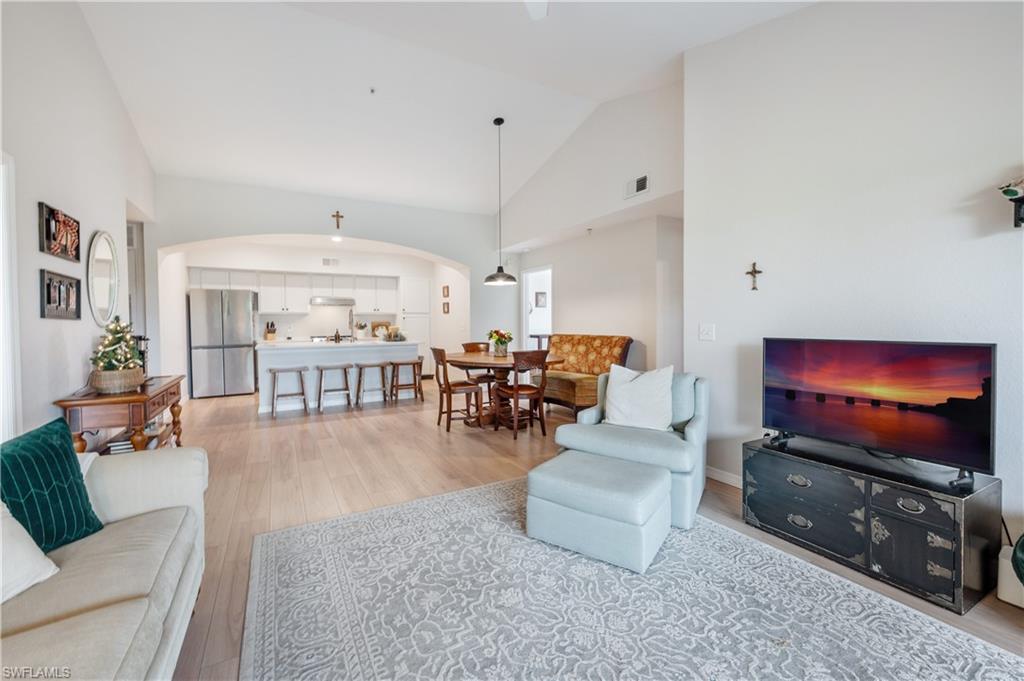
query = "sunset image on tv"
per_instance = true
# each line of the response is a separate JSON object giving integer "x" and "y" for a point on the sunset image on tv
{"x": 929, "y": 401}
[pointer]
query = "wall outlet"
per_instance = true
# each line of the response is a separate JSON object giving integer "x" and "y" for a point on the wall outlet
{"x": 705, "y": 332}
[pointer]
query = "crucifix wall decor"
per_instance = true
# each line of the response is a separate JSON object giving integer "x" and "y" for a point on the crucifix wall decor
{"x": 752, "y": 273}
{"x": 337, "y": 219}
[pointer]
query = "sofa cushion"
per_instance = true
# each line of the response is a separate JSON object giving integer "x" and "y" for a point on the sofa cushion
{"x": 639, "y": 399}
{"x": 115, "y": 642}
{"x": 665, "y": 448}
{"x": 587, "y": 354}
{"x": 571, "y": 387}
{"x": 41, "y": 483}
{"x": 24, "y": 563}
{"x": 140, "y": 557}
{"x": 602, "y": 486}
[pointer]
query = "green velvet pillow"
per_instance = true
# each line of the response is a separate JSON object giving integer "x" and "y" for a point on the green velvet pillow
{"x": 42, "y": 485}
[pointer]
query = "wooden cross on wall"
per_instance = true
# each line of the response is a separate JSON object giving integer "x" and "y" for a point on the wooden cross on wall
{"x": 752, "y": 273}
{"x": 337, "y": 219}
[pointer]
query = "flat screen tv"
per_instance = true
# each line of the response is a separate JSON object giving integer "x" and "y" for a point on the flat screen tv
{"x": 928, "y": 401}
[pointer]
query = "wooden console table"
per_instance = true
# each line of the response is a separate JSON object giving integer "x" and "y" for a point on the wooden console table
{"x": 88, "y": 410}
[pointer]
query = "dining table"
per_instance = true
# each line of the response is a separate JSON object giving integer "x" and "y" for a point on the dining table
{"x": 501, "y": 366}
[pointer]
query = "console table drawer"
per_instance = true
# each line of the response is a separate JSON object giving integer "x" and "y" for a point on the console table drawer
{"x": 825, "y": 488}
{"x": 913, "y": 506}
{"x": 836, "y": 533}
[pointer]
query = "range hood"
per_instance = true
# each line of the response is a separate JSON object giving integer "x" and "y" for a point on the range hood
{"x": 331, "y": 300}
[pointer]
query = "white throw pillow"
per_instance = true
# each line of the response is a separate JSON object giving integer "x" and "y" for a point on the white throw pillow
{"x": 24, "y": 564}
{"x": 639, "y": 399}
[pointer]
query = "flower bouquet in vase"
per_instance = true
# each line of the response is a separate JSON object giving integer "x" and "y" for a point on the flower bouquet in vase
{"x": 501, "y": 339}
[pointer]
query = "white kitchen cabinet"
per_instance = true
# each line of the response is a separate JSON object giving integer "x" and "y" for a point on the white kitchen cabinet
{"x": 195, "y": 277}
{"x": 415, "y": 295}
{"x": 417, "y": 327}
{"x": 271, "y": 292}
{"x": 344, "y": 286}
{"x": 322, "y": 285}
{"x": 243, "y": 281}
{"x": 365, "y": 294}
{"x": 387, "y": 294}
{"x": 214, "y": 279}
{"x": 297, "y": 291}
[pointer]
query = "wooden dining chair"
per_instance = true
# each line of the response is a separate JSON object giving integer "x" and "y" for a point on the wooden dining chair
{"x": 487, "y": 377}
{"x": 522, "y": 362}
{"x": 448, "y": 389}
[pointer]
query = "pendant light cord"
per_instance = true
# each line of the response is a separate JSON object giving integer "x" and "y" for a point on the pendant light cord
{"x": 499, "y": 196}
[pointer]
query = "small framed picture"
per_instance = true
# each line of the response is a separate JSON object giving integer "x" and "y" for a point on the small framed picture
{"x": 60, "y": 296}
{"x": 540, "y": 299}
{"x": 445, "y": 291}
{"x": 59, "y": 234}
{"x": 444, "y": 308}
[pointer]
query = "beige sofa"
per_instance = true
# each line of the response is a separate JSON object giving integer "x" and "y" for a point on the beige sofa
{"x": 119, "y": 606}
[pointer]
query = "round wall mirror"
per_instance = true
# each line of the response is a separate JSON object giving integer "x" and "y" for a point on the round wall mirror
{"x": 103, "y": 277}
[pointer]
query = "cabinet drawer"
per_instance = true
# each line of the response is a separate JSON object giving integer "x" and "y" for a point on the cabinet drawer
{"x": 838, "y": 534}
{"x": 912, "y": 505}
{"x": 913, "y": 555}
{"x": 822, "y": 487}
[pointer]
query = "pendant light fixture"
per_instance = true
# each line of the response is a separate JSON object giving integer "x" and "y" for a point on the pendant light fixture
{"x": 499, "y": 277}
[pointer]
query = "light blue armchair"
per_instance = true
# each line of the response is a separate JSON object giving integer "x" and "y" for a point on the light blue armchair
{"x": 682, "y": 450}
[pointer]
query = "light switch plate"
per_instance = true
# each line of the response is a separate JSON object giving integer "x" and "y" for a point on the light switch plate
{"x": 705, "y": 332}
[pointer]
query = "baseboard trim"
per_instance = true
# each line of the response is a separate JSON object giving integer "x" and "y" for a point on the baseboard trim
{"x": 723, "y": 476}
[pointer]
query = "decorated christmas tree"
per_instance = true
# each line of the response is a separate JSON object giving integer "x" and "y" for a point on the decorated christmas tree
{"x": 117, "y": 349}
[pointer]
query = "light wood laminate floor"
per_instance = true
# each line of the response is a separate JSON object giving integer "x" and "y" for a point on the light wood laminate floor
{"x": 267, "y": 474}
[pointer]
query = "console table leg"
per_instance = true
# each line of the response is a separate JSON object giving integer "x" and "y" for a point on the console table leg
{"x": 80, "y": 444}
{"x": 176, "y": 422}
{"x": 139, "y": 438}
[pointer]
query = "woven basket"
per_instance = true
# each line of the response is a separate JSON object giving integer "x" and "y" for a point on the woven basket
{"x": 112, "y": 382}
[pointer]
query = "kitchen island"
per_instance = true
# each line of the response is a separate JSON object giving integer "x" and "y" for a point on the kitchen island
{"x": 292, "y": 353}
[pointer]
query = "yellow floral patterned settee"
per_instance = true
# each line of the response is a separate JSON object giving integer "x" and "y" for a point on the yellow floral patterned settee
{"x": 573, "y": 383}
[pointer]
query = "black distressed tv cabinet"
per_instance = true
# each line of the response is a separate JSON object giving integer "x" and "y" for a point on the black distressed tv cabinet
{"x": 895, "y": 520}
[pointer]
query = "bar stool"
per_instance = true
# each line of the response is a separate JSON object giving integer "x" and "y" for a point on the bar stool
{"x": 274, "y": 371}
{"x": 416, "y": 366}
{"x": 361, "y": 368}
{"x": 322, "y": 390}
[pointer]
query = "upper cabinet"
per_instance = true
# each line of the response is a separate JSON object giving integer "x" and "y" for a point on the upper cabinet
{"x": 244, "y": 281}
{"x": 344, "y": 286}
{"x": 415, "y": 295}
{"x": 322, "y": 285}
{"x": 271, "y": 292}
{"x": 297, "y": 291}
{"x": 375, "y": 294}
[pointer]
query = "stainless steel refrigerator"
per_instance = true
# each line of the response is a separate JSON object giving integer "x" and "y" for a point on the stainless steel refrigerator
{"x": 221, "y": 342}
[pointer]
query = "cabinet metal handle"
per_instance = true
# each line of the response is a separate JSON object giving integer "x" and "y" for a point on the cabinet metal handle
{"x": 798, "y": 480}
{"x": 910, "y": 505}
{"x": 799, "y": 522}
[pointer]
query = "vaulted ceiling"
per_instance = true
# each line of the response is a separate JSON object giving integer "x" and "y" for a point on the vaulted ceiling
{"x": 386, "y": 101}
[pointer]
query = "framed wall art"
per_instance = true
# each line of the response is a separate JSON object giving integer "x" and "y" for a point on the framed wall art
{"x": 445, "y": 291}
{"x": 540, "y": 299}
{"x": 444, "y": 308}
{"x": 59, "y": 234}
{"x": 60, "y": 296}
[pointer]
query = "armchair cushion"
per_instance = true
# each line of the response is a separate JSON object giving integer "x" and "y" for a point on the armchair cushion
{"x": 666, "y": 448}
{"x": 569, "y": 387}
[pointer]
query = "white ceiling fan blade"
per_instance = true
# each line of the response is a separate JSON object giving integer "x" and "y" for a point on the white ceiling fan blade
{"x": 536, "y": 10}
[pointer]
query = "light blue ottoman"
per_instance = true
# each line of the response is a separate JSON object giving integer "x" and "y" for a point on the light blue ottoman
{"x": 614, "y": 510}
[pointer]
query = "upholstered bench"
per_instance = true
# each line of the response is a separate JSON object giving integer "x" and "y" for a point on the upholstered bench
{"x": 606, "y": 508}
{"x": 573, "y": 383}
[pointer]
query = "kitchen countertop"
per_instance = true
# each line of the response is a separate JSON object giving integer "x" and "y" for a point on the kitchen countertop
{"x": 328, "y": 345}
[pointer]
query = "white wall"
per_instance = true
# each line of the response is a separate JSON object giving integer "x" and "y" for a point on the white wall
{"x": 606, "y": 283}
{"x": 585, "y": 179}
{"x": 197, "y": 210}
{"x": 853, "y": 150}
{"x": 451, "y": 330}
{"x": 668, "y": 282}
{"x": 75, "y": 149}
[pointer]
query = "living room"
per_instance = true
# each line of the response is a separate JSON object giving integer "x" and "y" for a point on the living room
{"x": 701, "y": 183}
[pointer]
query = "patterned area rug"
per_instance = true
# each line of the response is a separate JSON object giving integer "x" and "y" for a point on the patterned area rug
{"x": 451, "y": 587}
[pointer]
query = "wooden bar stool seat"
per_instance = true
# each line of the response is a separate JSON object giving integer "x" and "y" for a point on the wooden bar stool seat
{"x": 361, "y": 368}
{"x": 323, "y": 390}
{"x": 416, "y": 367}
{"x": 274, "y": 371}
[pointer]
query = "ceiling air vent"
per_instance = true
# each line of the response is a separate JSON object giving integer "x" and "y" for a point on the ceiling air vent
{"x": 330, "y": 262}
{"x": 637, "y": 185}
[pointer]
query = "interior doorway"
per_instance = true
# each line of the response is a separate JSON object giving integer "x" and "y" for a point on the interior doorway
{"x": 537, "y": 305}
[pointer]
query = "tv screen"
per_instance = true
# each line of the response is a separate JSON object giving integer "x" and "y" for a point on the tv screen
{"x": 930, "y": 401}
